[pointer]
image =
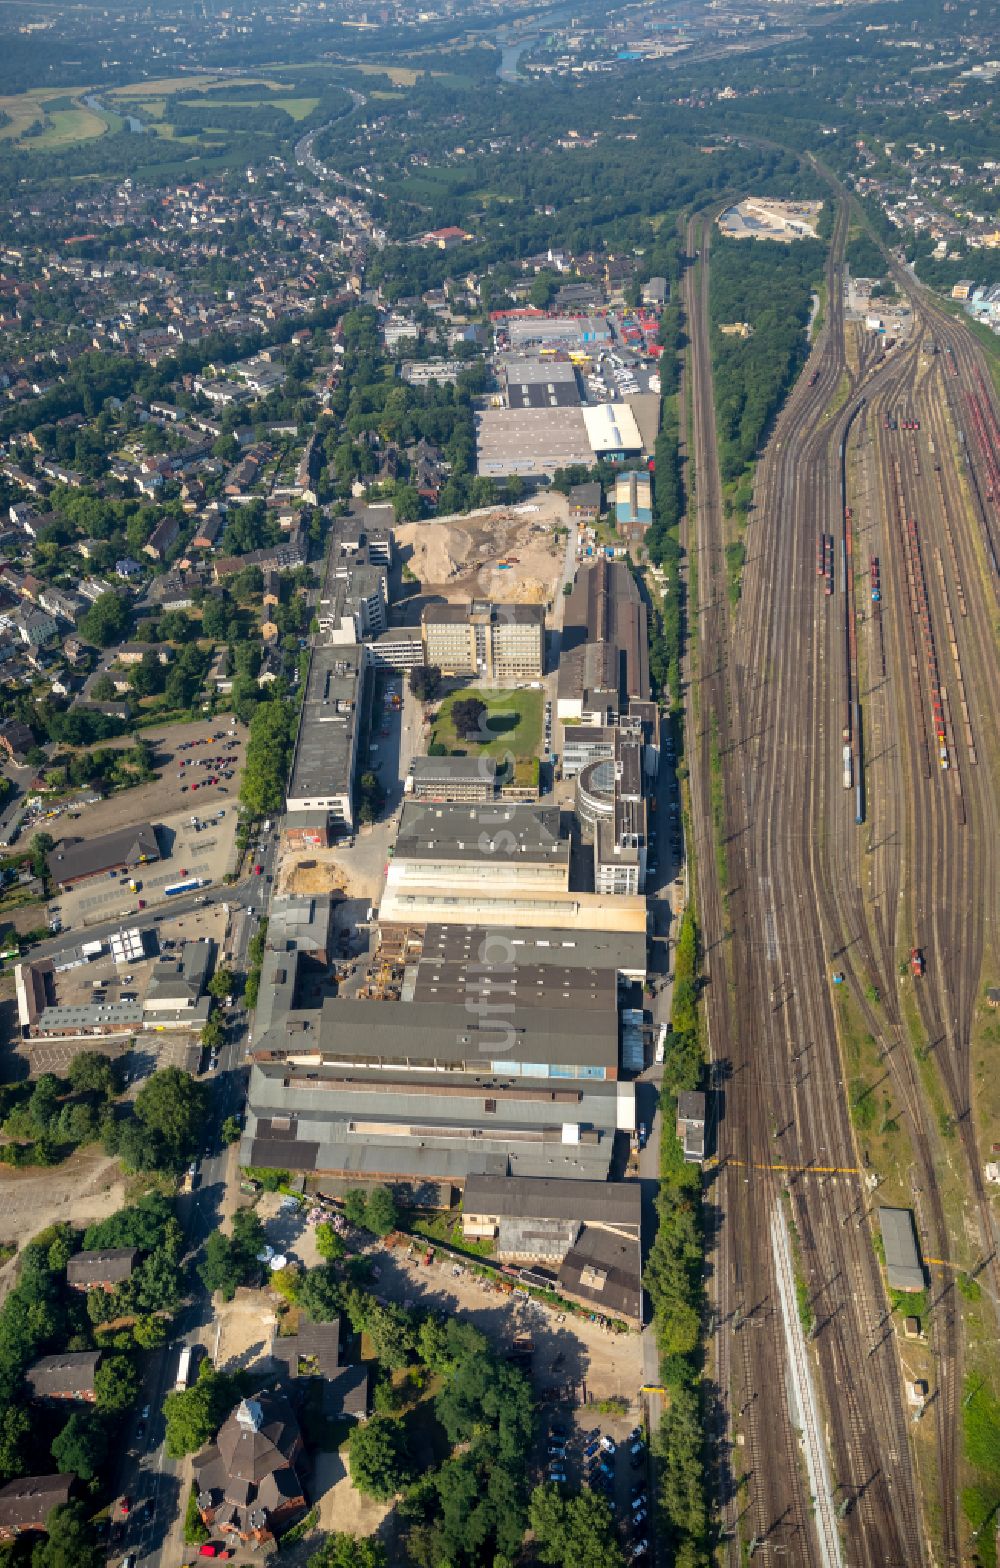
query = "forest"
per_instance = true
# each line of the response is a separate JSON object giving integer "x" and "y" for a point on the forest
{"x": 769, "y": 287}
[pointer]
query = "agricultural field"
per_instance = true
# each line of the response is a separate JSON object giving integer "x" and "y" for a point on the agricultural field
{"x": 62, "y": 118}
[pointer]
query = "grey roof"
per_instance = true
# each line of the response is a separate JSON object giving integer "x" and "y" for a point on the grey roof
{"x": 325, "y": 745}
{"x": 622, "y": 951}
{"x": 470, "y": 769}
{"x": 613, "y": 1203}
{"x": 31, "y": 1498}
{"x": 109, "y": 1265}
{"x": 85, "y": 857}
{"x": 300, "y": 922}
{"x": 368, "y": 1123}
{"x": 182, "y": 979}
{"x": 71, "y": 1372}
{"x": 605, "y": 608}
{"x": 485, "y": 1026}
{"x": 691, "y": 1105}
{"x": 902, "y": 1252}
{"x": 510, "y": 834}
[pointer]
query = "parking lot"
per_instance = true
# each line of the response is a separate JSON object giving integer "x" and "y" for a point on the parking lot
{"x": 87, "y": 815}
{"x": 201, "y": 849}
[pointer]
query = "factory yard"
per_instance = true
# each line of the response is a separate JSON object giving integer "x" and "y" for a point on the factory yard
{"x": 460, "y": 557}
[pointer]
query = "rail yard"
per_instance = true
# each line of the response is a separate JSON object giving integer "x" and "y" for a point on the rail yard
{"x": 843, "y": 747}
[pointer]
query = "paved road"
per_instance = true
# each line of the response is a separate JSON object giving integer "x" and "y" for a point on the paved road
{"x": 156, "y": 1484}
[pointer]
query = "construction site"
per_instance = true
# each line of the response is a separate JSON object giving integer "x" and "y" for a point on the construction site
{"x": 506, "y": 554}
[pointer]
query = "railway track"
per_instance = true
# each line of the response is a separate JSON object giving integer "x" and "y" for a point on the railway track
{"x": 806, "y": 883}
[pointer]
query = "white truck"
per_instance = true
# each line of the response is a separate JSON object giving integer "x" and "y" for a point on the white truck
{"x": 184, "y": 1367}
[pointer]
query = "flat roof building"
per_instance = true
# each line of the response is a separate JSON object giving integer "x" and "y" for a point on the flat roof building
{"x": 532, "y": 442}
{"x": 457, "y": 845}
{"x": 326, "y": 747}
{"x": 539, "y": 383}
{"x": 454, "y": 778}
{"x": 903, "y": 1265}
{"x": 499, "y": 644}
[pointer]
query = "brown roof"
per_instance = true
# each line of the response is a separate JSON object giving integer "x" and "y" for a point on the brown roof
{"x": 30, "y": 1499}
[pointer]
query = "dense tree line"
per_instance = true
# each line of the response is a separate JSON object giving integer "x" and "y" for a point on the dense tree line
{"x": 674, "y": 1280}
{"x": 769, "y": 287}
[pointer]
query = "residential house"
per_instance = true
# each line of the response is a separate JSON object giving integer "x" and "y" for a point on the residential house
{"x": 163, "y": 538}
{"x": 25, "y": 1504}
{"x": 16, "y": 740}
{"x": 104, "y": 1269}
{"x": 36, "y": 627}
{"x": 69, "y": 1375}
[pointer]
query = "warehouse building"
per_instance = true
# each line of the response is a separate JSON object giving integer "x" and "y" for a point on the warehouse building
{"x": 903, "y": 1265}
{"x": 532, "y": 442}
{"x": 77, "y": 859}
{"x": 457, "y": 846}
{"x": 538, "y": 383}
{"x": 498, "y": 644}
{"x": 430, "y": 1127}
{"x": 326, "y": 747}
{"x": 605, "y": 643}
{"x": 612, "y": 431}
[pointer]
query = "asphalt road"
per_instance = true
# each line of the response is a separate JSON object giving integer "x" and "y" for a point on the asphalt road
{"x": 153, "y": 1482}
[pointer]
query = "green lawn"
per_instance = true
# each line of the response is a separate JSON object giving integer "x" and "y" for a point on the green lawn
{"x": 514, "y": 723}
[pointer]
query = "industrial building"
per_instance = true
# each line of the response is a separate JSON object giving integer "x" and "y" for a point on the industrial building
{"x": 456, "y": 846}
{"x": 569, "y": 332}
{"x": 587, "y": 1234}
{"x": 633, "y": 506}
{"x": 431, "y": 1127}
{"x": 498, "y": 644}
{"x": 903, "y": 1265}
{"x": 612, "y": 808}
{"x": 605, "y": 643}
{"x": 538, "y": 383}
{"x": 612, "y": 431}
{"x": 326, "y": 747}
{"x": 532, "y": 442}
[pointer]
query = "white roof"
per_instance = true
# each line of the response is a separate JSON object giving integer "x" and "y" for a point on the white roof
{"x": 611, "y": 427}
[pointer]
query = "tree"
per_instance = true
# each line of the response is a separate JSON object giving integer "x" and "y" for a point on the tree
{"x": 355, "y": 1205}
{"x": 41, "y": 845}
{"x": 320, "y": 1295}
{"x": 220, "y": 1268}
{"x": 468, "y": 716}
{"x": 106, "y": 621}
{"x": 194, "y": 1414}
{"x": 212, "y": 1033}
{"x": 574, "y": 1532}
{"x": 175, "y": 1107}
{"x": 222, "y": 984}
{"x": 329, "y": 1244}
{"x": 70, "y": 1541}
{"x": 371, "y": 797}
{"x": 425, "y": 681}
{"x": 195, "y": 1532}
{"x": 90, "y": 1073}
{"x": 380, "y": 1466}
{"x": 116, "y": 1384}
{"x": 82, "y": 1445}
{"x": 381, "y": 1214}
{"x": 349, "y": 1551}
{"x": 15, "y": 1430}
{"x": 230, "y": 1130}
